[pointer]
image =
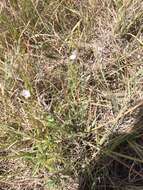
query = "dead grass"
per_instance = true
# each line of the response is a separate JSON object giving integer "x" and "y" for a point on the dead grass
{"x": 81, "y": 62}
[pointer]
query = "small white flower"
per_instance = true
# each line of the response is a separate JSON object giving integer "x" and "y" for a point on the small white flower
{"x": 73, "y": 55}
{"x": 25, "y": 93}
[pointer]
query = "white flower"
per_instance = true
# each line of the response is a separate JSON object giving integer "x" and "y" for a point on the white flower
{"x": 73, "y": 56}
{"x": 25, "y": 93}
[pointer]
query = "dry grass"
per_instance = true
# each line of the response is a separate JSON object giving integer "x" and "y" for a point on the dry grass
{"x": 81, "y": 63}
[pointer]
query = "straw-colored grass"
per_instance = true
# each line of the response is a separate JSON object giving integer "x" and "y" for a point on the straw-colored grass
{"x": 71, "y": 92}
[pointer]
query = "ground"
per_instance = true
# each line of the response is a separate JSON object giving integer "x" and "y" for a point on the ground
{"x": 71, "y": 94}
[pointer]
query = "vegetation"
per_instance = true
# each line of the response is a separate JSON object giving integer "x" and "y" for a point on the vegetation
{"x": 71, "y": 94}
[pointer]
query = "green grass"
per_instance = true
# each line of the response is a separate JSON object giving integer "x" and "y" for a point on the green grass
{"x": 82, "y": 123}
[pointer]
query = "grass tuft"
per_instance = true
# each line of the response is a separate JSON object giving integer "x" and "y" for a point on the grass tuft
{"x": 80, "y": 124}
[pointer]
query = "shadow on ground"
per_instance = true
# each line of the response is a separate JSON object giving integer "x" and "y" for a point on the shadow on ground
{"x": 120, "y": 165}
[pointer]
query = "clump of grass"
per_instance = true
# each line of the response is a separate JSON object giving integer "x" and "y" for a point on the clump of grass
{"x": 76, "y": 122}
{"x": 129, "y": 25}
